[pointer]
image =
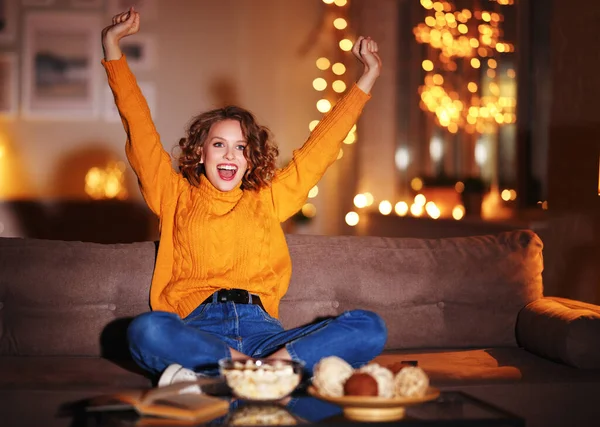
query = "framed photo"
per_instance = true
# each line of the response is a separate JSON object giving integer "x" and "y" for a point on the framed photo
{"x": 148, "y": 9}
{"x": 88, "y": 4}
{"x": 8, "y": 20}
{"x": 37, "y": 2}
{"x": 111, "y": 114}
{"x": 140, "y": 51}
{"x": 8, "y": 85}
{"x": 61, "y": 57}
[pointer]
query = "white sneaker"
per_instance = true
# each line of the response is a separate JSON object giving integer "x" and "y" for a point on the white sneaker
{"x": 176, "y": 373}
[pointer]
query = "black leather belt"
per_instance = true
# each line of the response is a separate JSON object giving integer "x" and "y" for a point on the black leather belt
{"x": 238, "y": 296}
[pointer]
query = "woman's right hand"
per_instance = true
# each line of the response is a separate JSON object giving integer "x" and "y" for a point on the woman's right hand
{"x": 124, "y": 24}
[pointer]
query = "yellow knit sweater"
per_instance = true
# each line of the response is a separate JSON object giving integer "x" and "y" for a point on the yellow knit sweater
{"x": 210, "y": 240}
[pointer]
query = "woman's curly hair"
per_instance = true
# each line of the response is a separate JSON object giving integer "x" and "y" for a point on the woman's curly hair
{"x": 261, "y": 151}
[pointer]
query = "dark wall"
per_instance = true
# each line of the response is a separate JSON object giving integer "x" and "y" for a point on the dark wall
{"x": 574, "y": 142}
{"x": 102, "y": 221}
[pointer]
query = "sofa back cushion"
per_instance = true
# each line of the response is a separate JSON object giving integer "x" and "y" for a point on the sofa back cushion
{"x": 452, "y": 292}
{"x": 76, "y": 298}
{"x": 70, "y": 298}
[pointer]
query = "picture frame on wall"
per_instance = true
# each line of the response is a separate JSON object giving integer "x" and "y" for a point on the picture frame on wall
{"x": 61, "y": 69}
{"x": 37, "y": 2}
{"x": 8, "y": 20}
{"x": 8, "y": 84}
{"x": 87, "y": 4}
{"x": 111, "y": 114}
{"x": 140, "y": 51}
{"x": 148, "y": 9}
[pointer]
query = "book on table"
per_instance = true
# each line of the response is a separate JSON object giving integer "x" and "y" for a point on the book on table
{"x": 181, "y": 401}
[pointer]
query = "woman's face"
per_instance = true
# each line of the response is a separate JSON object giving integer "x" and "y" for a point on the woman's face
{"x": 223, "y": 155}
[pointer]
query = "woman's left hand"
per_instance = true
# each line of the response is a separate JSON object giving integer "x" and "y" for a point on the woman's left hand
{"x": 366, "y": 51}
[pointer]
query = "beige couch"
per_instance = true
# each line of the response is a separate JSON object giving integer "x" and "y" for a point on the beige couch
{"x": 470, "y": 310}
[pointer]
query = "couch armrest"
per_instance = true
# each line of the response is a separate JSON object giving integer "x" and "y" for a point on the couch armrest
{"x": 561, "y": 329}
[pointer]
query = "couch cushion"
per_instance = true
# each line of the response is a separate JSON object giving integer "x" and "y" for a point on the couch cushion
{"x": 75, "y": 298}
{"x": 63, "y": 298}
{"x": 438, "y": 293}
{"x": 563, "y": 330}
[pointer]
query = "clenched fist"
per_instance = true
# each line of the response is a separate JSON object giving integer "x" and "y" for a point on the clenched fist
{"x": 123, "y": 25}
{"x": 365, "y": 50}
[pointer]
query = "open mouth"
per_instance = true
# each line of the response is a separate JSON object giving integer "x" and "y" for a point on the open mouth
{"x": 227, "y": 172}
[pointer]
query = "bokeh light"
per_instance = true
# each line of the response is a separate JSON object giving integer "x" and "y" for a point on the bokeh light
{"x": 352, "y": 218}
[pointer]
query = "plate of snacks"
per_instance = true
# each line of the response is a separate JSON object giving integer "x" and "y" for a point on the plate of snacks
{"x": 372, "y": 392}
{"x": 261, "y": 380}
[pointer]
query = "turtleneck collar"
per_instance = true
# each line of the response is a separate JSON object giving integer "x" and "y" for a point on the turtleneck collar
{"x": 219, "y": 197}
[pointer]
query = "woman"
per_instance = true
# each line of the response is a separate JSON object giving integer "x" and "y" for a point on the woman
{"x": 223, "y": 264}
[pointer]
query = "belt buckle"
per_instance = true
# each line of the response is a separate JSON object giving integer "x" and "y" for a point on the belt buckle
{"x": 239, "y": 296}
{"x": 222, "y": 295}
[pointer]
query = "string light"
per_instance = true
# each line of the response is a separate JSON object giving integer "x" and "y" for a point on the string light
{"x": 432, "y": 210}
{"x": 416, "y": 184}
{"x": 330, "y": 83}
{"x": 352, "y": 218}
{"x": 416, "y": 210}
{"x": 360, "y": 201}
{"x": 323, "y": 64}
{"x": 106, "y": 183}
{"x": 340, "y": 23}
{"x": 458, "y": 212}
{"x": 320, "y": 84}
{"x": 385, "y": 207}
{"x": 309, "y": 210}
{"x": 323, "y": 105}
{"x": 345, "y": 45}
{"x": 338, "y": 68}
{"x": 474, "y": 36}
{"x": 338, "y": 86}
{"x": 401, "y": 208}
{"x": 350, "y": 138}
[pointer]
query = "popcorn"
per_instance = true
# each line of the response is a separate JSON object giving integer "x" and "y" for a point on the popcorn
{"x": 262, "y": 380}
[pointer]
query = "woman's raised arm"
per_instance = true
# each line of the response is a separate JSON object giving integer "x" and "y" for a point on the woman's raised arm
{"x": 150, "y": 162}
{"x": 291, "y": 185}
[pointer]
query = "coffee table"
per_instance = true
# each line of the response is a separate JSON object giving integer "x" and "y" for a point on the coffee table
{"x": 451, "y": 408}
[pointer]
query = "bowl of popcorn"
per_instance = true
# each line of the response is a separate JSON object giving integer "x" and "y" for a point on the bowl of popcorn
{"x": 261, "y": 379}
{"x": 372, "y": 392}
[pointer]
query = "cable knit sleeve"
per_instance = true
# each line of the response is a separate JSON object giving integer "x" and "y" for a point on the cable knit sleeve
{"x": 291, "y": 185}
{"x": 150, "y": 162}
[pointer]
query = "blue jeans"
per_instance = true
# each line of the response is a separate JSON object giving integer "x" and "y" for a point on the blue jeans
{"x": 158, "y": 339}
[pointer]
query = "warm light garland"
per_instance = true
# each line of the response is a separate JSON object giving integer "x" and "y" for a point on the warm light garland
{"x": 330, "y": 82}
{"x": 486, "y": 99}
